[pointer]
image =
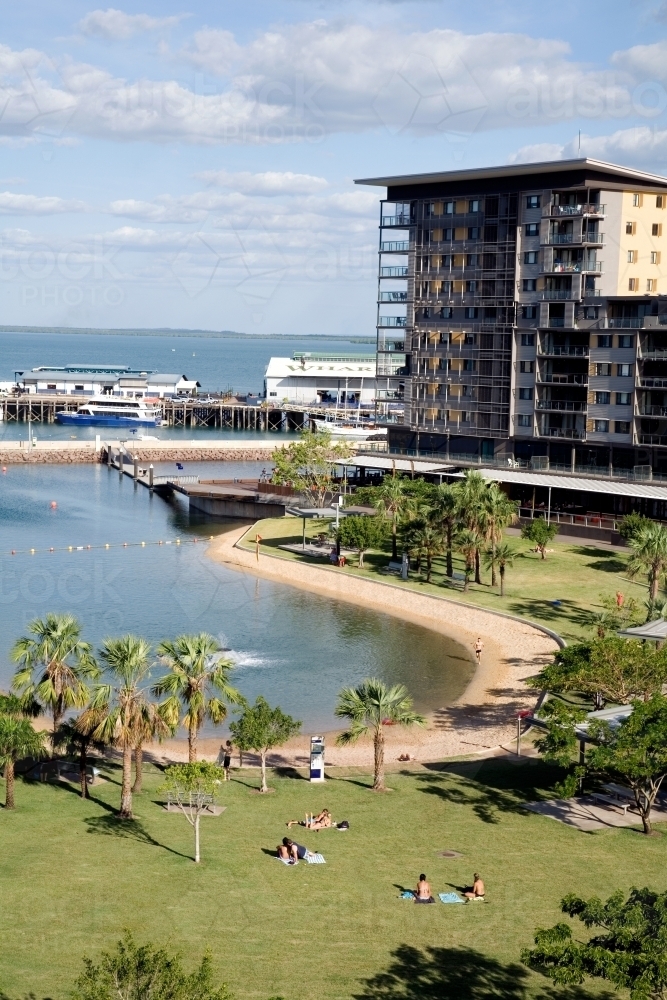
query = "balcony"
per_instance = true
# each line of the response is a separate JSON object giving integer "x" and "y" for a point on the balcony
{"x": 393, "y": 297}
{"x": 561, "y": 432}
{"x": 627, "y": 322}
{"x": 392, "y": 321}
{"x": 564, "y": 352}
{"x": 569, "y": 210}
{"x": 399, "y": 221}
{"x": 557, "y": 239}
{"x": 558, "y": 294}
{"x": 652, "y": 439}
{"x": 558, "y": 378}
{"x": 399, "y": 246}
{"x": 652, "y": 383}
{"x": 652, "y": 411}
{"x": 393, "y": 272}
{"x": 566, "y": 405}
{"x": 574, "y": 267}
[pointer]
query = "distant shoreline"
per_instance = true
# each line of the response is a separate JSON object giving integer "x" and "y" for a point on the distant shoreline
{"x": 167, "y": 332}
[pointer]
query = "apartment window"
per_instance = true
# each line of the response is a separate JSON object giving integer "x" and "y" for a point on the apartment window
{"x": 623, "y": 399}
{"x": 603, "y": 369}
{"x": 621, "y": 426}
{"x": 533, "y": 201}
{"x": 529, "y": 312}
{"x": 273, "y": 394}
{"x": 449, "y": 207}
{"x": 465, "y": 417}
{"x": 630, "y": 228}
{"x": 659, "y": 203}
{"x": 601, "y": 426}
{"x": 603, "y": 398}
{"x": 632, "y": 257}
{"x": 636, "y": 201}
{"x": 528, "y": 340}
{"x": 524, "y": 420}
{"x": 473, "y": 206}
{"x": 604, "y": 340}
{"x": 530, "y": 284}
{"x": 656, "y": 229}
{"x": 472, "y": 312}
{"x": 469, "y": 365}
{"x": 469, "y": 339}
{"x": 626, "y": 340}
{"x": 655, "y": 256}
{"x": 651, "y": 285}
{"x": 525, "y": 393}
{"x": 474, "y": 233}
{"x": 446, "y": 312}
{"x": 633, "y": 284}
{"x": 471, "y": 286}
{"x": 472, "y": 260}
{"x": 527, "y": 367}
{"x": 625, "y": 371}
{"x": 590, "y": 312}
{"x": 532, "y": 229}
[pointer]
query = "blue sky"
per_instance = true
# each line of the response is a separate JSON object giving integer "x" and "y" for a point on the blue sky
{"x": 192, "y": 165}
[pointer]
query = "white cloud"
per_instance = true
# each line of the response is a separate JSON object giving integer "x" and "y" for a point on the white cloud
{"x": 30, "y": 204}
{"x": 116, "y": 25}
{"x": 268, "y": 183}
{"x": 643, "y": 147}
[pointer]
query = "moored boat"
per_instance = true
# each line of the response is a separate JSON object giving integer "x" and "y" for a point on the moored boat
{"x": 110, "y": 411}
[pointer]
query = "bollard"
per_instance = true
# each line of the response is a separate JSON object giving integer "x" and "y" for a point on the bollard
{"x": 150, "y": 476}
{"x": 136, "y": 468}
{"x": 120, "y": 462}
{"x": 109, "y": 458}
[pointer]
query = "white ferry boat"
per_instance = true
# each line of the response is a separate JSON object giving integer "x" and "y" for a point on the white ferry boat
{"x": 344, "y": 430}
{"x": 112, "y": 411}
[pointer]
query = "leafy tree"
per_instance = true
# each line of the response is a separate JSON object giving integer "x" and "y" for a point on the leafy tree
{"x": 499, "y": 512}
{"x": 144, "y": 972}
{"x": 197, "y": 684}
{"x": 193, "y": 786}
{"x": 261, "y": 728}
{"x": 55, "y": 665}
{"x": 79, "y": 744}
{"x": 503, "y": 556}
{"x": 560, "y": 742}
{"x": 360, "y": 533}
{"x": 540, "y": 534}
{"x": 618, "y": 612}
{"x": 445, "y": 515}
{"x": 632, "y": 524}
{"x": 649, "y": 555}
{"x": 118, "y": 711}
{"x": 18, "y": 739}
{"x": 370, "y": 706}
{"x": 467, "y": 543}
{"x": 628, "y": 949}
{"x": 471, "y": 494}
{"x": 308, "y": 464}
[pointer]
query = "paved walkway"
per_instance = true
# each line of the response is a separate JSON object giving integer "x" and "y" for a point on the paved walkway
{"x": 587, "y": 814}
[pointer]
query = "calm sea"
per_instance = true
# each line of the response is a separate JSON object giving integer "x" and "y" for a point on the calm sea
{"x": 295, "y": 648}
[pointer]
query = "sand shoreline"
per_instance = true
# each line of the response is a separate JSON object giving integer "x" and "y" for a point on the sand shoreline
{"x": 479, "y": 722}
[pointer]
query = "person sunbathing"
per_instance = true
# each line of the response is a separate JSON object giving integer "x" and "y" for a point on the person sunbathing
{"x": 283, "y": 853}
{"x": 320, "y": 822}
{"x": 477, "y": 891}
{"x": 423, "y": 891}
{"x": 296, "y": 852}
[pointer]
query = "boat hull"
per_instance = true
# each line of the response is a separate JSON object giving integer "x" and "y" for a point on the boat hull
{"x": 86, "y": 420}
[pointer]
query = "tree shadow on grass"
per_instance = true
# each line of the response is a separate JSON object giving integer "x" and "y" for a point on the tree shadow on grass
{"x": 461, "y": 973}
{"x": 566, "y": 612}
{"x": 126, "y": 829}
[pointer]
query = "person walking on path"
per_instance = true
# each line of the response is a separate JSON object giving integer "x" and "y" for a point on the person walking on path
{"x": 479, "y": 646}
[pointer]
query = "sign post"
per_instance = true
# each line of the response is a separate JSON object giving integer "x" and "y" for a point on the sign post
{"x": 317, "y": 758}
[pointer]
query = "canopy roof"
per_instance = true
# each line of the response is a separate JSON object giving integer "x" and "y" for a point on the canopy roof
{"x": 655, "y": 630}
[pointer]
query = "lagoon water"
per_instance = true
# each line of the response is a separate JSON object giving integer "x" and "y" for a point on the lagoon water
{"x": 295, "y": 648}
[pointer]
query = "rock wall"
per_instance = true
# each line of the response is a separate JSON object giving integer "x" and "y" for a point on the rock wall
{"x": 68, "y": 453}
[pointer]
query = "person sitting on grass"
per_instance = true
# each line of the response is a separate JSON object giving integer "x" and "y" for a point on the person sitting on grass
{"x": 296, "y": 852}
{"x": 284, "y": 854}
{"x": 477, "y": 891}
{"x": 320, "y": 822}
{"x": 423, "y": 891}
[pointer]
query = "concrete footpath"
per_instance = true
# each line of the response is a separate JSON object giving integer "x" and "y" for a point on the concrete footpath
{"x": 78, "y": 452}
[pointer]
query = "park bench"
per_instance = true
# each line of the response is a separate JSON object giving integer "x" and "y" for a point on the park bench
{"x": 611, "y": 802}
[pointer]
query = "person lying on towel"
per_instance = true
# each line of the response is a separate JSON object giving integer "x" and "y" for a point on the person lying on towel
{"x": 296, "y": 852}
{"x": 283, "y": 853}
{"x": 322, "y": 821}
{"x": 423, "y": 891}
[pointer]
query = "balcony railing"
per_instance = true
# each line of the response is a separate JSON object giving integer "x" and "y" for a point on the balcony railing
{"x": 556, "y": 239}
{"x": 569, "y": 352}
{"x": 560, "y": 210}
{"x": 568, "y": 405}
{"x": 652, "y": 411}
{"x": 561, "y": 432}
{"x": 393, "y": 272}
{"x": 557, "y": 294}
{"x": 393, "y": 296}
{"x": 402, "y": 221}
{"x": 626, "y": 322}
{"x": 576, "y": 267}
{"x": 391, "y": 321}
{"x": 561, "y": 379}
{"x": 399, "y": 246}
{"x": 652, "y": 439}
{"x": 652, "y": 383}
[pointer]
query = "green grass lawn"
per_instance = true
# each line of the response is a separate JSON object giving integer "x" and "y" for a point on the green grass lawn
{"x": 575, "y": 573}
{"x": 72, "y": 877}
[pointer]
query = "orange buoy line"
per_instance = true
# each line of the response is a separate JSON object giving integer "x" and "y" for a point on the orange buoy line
{"x": 111, "y": 545}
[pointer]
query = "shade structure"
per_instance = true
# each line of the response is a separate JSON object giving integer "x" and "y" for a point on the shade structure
{"x": 655, "y": 631}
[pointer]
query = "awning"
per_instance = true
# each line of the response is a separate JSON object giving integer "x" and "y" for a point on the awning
{"x": 577, "y": 483}
{"x": 398, "y": 464}
{"x": 655, "y": 631}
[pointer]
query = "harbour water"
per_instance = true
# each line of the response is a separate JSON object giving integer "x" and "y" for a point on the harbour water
{"x": 295, "y": 648}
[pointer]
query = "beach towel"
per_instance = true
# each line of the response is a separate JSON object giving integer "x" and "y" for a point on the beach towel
{"x": 315, "y": 859}
{"x": 285, "y": 861}
{"x": 449, "y": 897}
{"x": 407, "y": 894}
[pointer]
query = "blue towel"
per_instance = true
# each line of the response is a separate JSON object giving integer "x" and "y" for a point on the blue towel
{"x": 449, "y": 897}
{"x": 407, "y": 894}
{"x": 315, "y": 859}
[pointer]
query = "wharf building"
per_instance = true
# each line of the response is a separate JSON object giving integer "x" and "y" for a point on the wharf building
{"x": 326, "y": 380}
{"x": 522, "y": 317}
{"x": 96, "y": 380}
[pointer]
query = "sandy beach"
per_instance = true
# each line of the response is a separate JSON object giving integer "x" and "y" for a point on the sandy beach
{"x": 482, "y": 720}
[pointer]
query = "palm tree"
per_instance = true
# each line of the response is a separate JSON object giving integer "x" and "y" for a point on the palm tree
{"x": 445, "y": 513}
{"x": 55, "y": 665}
{"x": 468, "y": 542}
{"x": 118, "y": 711}
{"x": 649, "y": 555}
{"x": 500, "y": 512}
{"x": 390, "y": 501}
{"x": 197, "y": 683}
{"x": 79, "y": 743}
{"x": 427, "y": 538}
{"x": 370, "y": 706}
{"x": 503, "y": 557}
{"x": 471, "y": 496}
{"x": 18, "y": 739}
{"x": 151, "y": 726}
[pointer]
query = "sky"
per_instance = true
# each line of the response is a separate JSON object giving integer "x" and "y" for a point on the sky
{"x": 192, "y": 165}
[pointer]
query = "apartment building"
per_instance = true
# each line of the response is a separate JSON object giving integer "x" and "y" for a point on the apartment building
{"x": 522, "y": 315}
